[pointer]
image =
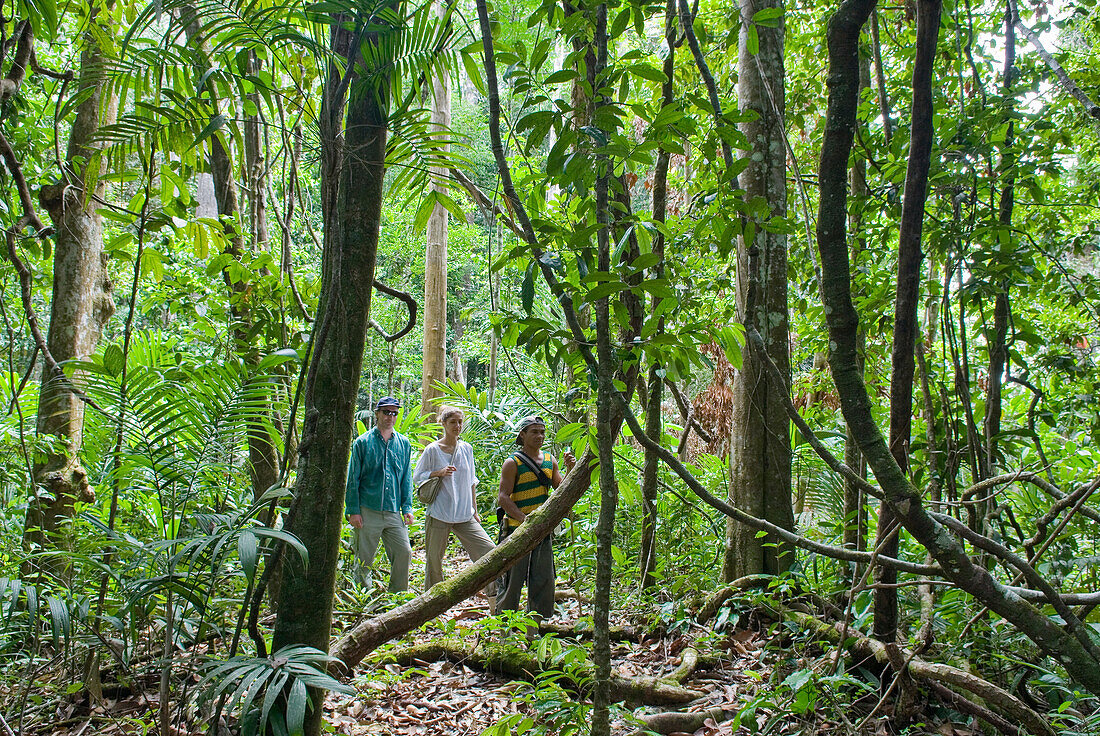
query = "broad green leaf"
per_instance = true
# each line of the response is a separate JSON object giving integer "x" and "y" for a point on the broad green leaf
{"x": 248, "y": 549}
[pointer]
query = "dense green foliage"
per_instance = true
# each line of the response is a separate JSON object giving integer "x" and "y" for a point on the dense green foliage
{"x": 164, "y": 572}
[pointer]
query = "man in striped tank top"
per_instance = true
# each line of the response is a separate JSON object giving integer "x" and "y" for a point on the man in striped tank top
{"x": 522, "y": 490}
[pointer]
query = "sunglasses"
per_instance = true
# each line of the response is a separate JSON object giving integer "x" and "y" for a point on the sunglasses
{"x": 388, "y": 413}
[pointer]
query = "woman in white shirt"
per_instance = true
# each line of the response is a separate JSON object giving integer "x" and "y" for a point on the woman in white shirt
{"x": 455, "y": 507}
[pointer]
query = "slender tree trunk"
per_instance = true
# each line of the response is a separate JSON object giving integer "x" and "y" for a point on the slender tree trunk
{"x": 352, "y": 169}
{"x": 435, "y": 261}
{"x": 760, "y": 448}
{"x": 855, "y": 505}
{"x": 605, "y": 439}
{"x": 907, "y": 302}
{"x": 647, "y": 557}
{"x": 263, "y": 457}
{"x": 998, "y": 350}
{"x": 81, "y": 303}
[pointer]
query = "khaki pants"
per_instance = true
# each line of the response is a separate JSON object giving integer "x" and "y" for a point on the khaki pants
{"x": 390, "y": 528}
{"x": 437, "y": 534}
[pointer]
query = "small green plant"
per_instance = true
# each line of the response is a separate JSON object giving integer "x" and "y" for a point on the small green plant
{"x": 251, "y": 687}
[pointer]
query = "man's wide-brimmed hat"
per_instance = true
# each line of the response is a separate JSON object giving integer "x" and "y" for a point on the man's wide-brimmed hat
{"x": 526, "y": 422}
{"x": 387, "y": 402}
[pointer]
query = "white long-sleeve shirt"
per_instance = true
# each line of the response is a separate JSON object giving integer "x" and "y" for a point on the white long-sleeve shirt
{"x": 455, "y": 502}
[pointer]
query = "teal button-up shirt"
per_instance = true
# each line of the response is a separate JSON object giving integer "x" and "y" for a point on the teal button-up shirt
{"x": 379, "y": 476}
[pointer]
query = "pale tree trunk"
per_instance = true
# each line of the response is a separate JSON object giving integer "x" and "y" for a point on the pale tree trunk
{"x": 458, "y": 363}
{"x": 352, "y": 170}
{"x": 435, "y": 261}
{"x": 81, "y": 303}
{"x": 760, "y": 448}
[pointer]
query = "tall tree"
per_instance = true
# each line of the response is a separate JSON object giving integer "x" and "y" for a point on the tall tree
{"x": 1064, "y": 639}
{"x": 82, "y": 293}
{"x": 435, "y": 254}
{"x": 262, "y": 455}
{"x": 353, "y": 152}
{"x": 760, "y": 446}
{"x": 648, "y": 552}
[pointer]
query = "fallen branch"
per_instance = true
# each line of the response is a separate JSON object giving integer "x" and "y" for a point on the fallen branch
{"x": 368, "y": 635}
{"x": 584, "y": 630}
{"x": 994, "y": 697}
{"x": 510, "y": 661}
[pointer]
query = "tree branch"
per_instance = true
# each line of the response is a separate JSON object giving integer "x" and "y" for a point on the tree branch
{"x": 409, "y": 302}
{"x": 1059, "y": 73}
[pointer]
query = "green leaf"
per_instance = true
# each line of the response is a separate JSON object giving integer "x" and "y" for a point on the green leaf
{"x": 296, "y": 709}
{"x": 768, "y": 17}
{"x": 215, "y": 124}
{"x": 752, "y": 41}
{"x": 647, "y": 71}
{"x": 248, "y": 549}
{"x": 563, "y": 75}
{"x": 620, "y": 23}
{"x": 285, "y": 537}
{"x": 604, "y": 290}
{"x": 527, "y": 289}
{"x": 114, "y": 360}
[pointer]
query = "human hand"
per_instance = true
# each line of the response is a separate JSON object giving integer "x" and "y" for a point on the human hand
{"x": 356, "y": 521}
{"x": 408, "y": 517}
{"x": 445, "y": 472}
{"x": 569, "y": 460}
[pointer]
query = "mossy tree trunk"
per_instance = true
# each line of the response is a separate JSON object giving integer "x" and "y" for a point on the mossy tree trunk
{"x": 353, "y": 155}
{"x": 81, "y": 303}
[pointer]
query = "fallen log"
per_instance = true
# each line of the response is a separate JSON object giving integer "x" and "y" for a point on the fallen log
{"x": 511, "y": 661}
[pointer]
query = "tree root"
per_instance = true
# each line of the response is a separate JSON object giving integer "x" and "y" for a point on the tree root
{"x": 680, "y": 722}
{"x": 584, "y": 630}
{"x": 718, "y": 598}
{"x": 510, "y": 661}
{"x": 996, "y": 699}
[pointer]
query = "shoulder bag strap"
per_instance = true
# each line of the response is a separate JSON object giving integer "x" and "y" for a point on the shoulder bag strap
{"x": 540, "y": 474}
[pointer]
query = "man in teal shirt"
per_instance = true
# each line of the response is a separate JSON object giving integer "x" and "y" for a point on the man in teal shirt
{"x": 378, "y": 501}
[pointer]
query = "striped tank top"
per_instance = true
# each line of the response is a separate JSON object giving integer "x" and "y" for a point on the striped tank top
{"x": 528, "y": 493}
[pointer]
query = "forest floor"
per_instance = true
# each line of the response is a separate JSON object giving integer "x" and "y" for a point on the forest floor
{"x": 453, "y": 698}
{"x": 740, "y": 668}
{"x": 428, "y": 697}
